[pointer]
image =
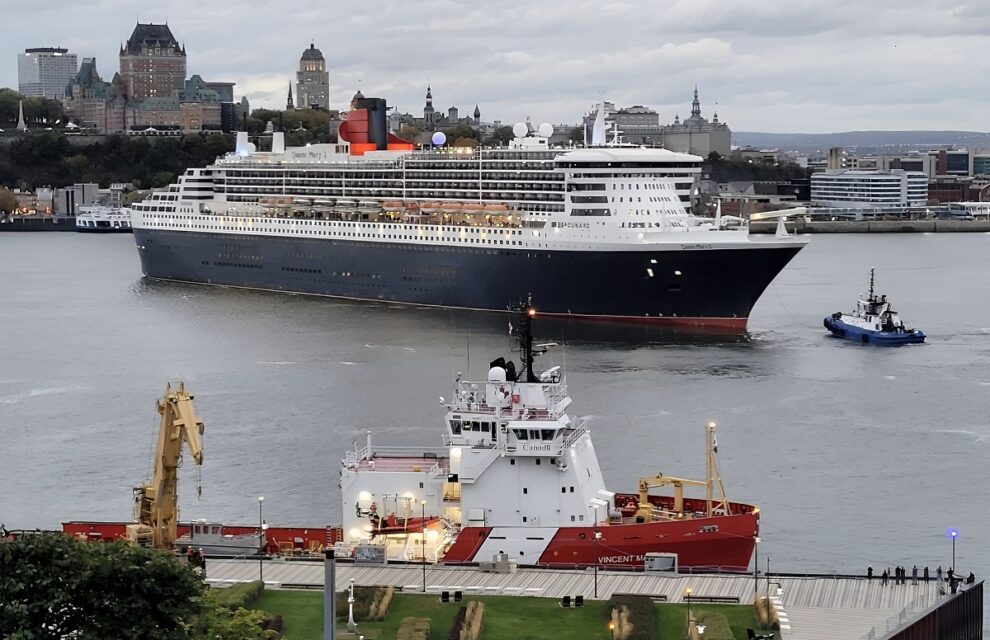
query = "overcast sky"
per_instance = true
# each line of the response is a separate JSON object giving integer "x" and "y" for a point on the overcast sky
{"x": 765, "y": 65}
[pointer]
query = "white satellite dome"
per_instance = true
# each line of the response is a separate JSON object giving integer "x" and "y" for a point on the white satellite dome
{"x": 545, "y": 130}
{"x": 520, "y": 130}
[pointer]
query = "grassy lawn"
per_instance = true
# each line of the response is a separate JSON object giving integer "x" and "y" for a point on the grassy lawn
{"x": 672, "y": 619}
{"x": 301, "y": 611}
{"x": 506, "y": 617}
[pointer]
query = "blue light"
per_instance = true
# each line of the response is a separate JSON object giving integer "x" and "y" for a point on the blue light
{"x": 952, "y": 533}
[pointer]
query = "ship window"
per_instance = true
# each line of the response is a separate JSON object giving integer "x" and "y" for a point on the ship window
{"x": 572, "y": 489}
{"x": 455, "y": 426}
{"x": 564, "y": 490}
{"x": 581, "y": 517}
{"x": 547, "y": 434}
{"x": 534, "y": 434}
{"x": 512, "y": 461}
{"x": 537, "y": 461}
{"x": 485, "y": 427}
{"x": 525, "y": 490}
{"x": 521, "y": 434}
{"x": 524, "y": 520}
{"x": 572, "y": 518}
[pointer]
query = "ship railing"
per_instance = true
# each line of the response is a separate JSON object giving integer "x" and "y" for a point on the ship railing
{"x": 572, "y": 437}
{"x": 353, "y": 458}
{"x": 906, "y": 616}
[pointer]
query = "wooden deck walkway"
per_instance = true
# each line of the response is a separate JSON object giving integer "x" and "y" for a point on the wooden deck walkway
{"x": 812, "y": 607}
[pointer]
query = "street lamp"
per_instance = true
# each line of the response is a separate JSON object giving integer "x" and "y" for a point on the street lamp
{"x": 261, "y": 538}
{"x": 953, "y": 534}
{"x": 611, "y": 629}
{"x": 756, "y": 564}
{"x": 595, "y": 503}
{"x": 422, "y": 535}
{"x": 351, "y": 625}
{"x": 687, "y": 596}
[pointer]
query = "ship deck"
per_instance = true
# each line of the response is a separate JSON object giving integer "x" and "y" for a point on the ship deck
{"x": 811, "y": 607}
{"x": 407, "y": 464}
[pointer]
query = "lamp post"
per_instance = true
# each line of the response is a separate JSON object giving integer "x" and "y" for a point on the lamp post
{"x": 756, "y": 564}
{"x": 687, "y": 596}
{"x": 422, "y": 535}
{"x": 597, "y": 535}
{"x": 611, "y": 630}
{"x": 261, "y": 538}
{"x": 953, "y": 534}
{"x": 767, "y": 603}
{"x": 351, "y": 625}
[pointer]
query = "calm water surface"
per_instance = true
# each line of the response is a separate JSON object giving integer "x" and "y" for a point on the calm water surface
{"x": 855, "y": 455}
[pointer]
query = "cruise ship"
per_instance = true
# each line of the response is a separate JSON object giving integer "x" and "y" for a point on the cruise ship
{"x": 602, "y": 232}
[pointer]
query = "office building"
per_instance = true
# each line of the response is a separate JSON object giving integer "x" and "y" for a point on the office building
{"x": 44, "y": 72}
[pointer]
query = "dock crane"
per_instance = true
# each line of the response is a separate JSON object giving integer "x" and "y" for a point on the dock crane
{"x": 156, "y": 502}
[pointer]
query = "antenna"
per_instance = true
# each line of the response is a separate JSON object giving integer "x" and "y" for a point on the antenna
{"x": 871, "y": 284}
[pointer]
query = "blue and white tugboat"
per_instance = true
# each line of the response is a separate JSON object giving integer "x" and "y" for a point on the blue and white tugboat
{"x": 873, "y": 322}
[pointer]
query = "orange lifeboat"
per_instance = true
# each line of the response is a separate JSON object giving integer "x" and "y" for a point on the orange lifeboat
{"x": 429, "y": 207}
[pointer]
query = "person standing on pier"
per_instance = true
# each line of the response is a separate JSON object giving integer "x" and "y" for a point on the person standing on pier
{"x": 884, "y": 577}
{"x": 914, "y": 574}
{"x": 938, "y": 573}
{"x": 926, "y": 574}
{"x": 869, "y": 572}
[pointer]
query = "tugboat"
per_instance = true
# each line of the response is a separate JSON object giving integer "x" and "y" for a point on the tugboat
{"x": 517, "y": 479}
{"x": 873, "y": 322}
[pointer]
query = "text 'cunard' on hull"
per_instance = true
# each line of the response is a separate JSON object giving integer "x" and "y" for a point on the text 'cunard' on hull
{"x": 598, "y": 232}
{"x": 517, "y": 478}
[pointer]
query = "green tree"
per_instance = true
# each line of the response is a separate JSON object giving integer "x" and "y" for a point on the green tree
{"x": 500, "y": 136}
{"x": 52, "y": 586}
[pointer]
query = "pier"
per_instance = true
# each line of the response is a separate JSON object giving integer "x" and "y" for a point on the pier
{"x": 810, "y": 607}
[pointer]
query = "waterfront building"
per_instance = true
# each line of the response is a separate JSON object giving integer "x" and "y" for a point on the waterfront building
{"x": 96, "y": 103}
{"x": 43, "y": 72}
{"x": 312, "y": 80}
{"x": 894, "y": 189}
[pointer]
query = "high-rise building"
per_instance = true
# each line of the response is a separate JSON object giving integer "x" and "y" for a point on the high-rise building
{"x": 152, "y": 63}
{"x": 313, "y": 80}
{"x": 44, "y": 72}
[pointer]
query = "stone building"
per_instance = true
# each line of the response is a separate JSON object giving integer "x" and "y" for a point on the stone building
{"x": 151, "y": 90}
{"x": 312, "y": 80}
{"x": 152, "y": 62}
{"x": 696, "y": 134}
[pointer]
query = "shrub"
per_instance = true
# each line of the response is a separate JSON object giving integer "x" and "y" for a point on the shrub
{"x": 639, "y": 617}
{"x": 240, "y": 596}
{"x": 414, "y": 629}
{"x": 381, "y": 603}
{"x": 473, "y": 617}
{"x": 455, "y": 629}
{"x": 363, "y": 599}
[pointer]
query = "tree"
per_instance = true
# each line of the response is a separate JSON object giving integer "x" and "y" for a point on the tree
{"x": 52, "y": 586}
{"x": 8, "y": 201}
{"x": 500, "y": 137}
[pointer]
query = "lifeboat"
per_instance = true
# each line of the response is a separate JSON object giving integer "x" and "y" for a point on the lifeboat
{"x": 429, "y": 207}
{"x": 451, "y": 207}
{"x": 473, "y": 208}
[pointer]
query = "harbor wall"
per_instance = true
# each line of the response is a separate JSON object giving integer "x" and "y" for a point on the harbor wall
{"x": 960, "y": 617}
{"x": 874, "y": 226}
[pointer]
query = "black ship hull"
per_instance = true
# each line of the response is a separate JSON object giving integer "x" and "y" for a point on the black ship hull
{"x": 680, "y": 285}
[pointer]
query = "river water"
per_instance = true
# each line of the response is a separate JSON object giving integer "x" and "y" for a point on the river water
{"x": 856, "y": 455}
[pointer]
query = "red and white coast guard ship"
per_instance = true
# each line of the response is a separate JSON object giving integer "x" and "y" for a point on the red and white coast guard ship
{"x": 517, "y": 475}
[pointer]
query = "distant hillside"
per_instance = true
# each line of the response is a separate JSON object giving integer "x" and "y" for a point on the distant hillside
{"x": 863, "y": 141}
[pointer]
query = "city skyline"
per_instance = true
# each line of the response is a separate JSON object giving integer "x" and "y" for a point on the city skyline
{"x": 767, "y": 66}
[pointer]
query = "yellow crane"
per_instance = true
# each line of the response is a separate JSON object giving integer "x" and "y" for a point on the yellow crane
{"x": 644, "y": 510}
{"x": 156, "y": 510}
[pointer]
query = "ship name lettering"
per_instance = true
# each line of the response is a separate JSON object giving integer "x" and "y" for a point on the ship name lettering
{"x": 620, "y": 559}
{"x": 536, "y": 447}
{"x": 696, "y": 246}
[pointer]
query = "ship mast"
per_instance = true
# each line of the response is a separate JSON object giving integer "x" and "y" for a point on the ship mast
{"x": 871, "y": 284}
{"x": 714, "y": 474}
{"x": 526, "y": 353}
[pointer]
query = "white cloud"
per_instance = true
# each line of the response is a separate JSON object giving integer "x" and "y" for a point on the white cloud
{"x": 771, "y": 65}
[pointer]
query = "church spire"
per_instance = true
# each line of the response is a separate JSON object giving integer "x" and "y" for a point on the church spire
{"x": 429, "y": 115}
{"x": 21, "y": 125}
{"x": 429, "y": 96}
{"x": 288, "y": 104}
{"x": 696, "y": 104}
